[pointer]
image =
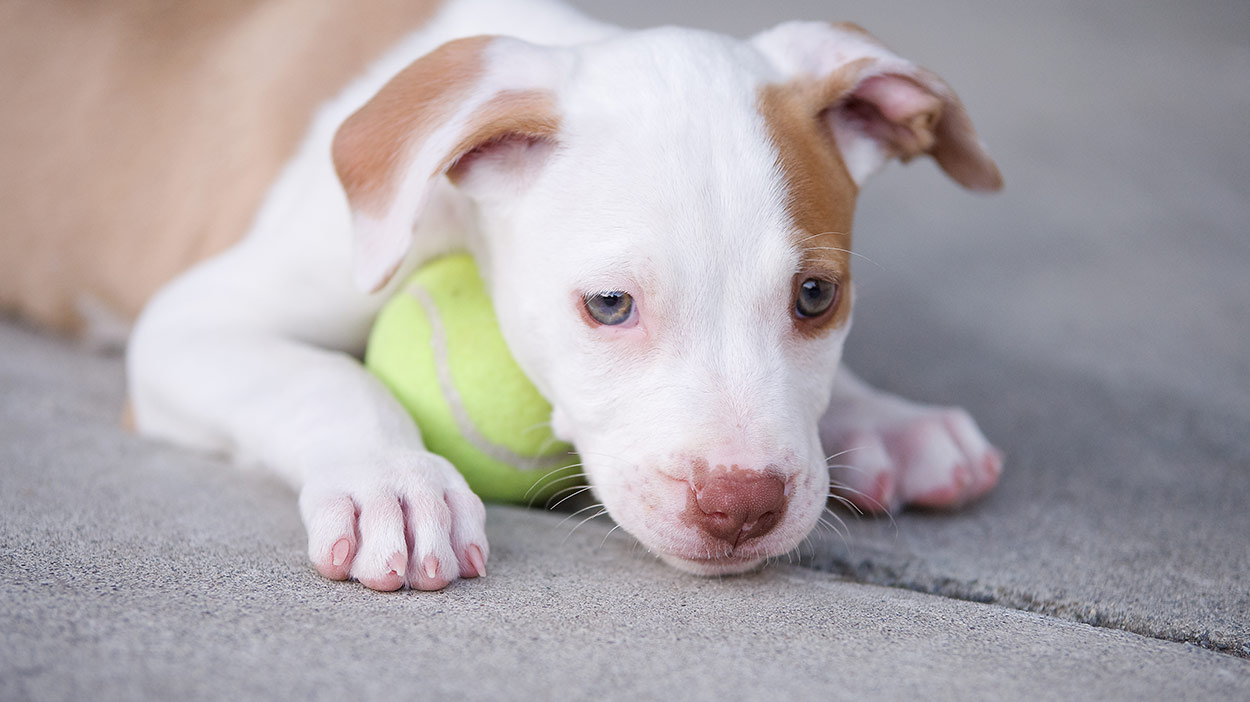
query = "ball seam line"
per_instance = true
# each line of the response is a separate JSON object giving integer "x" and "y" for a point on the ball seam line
{"x": 438, "y": 342}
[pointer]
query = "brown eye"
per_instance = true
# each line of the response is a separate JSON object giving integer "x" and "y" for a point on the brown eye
{"x": 610, "y": 308}
{"x": 815, "y": 297}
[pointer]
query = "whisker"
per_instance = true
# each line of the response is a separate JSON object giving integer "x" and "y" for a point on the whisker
{"x": 847, "y": 503}
{"x": 833, "y": 529}
{"x": 845, "y": 251}
{"x": 597, "y": 505}
{"x": 605, "y": 536}
{"x": 596, "y": 515}
{"x": 536, "y": 426}
{"x": 853, "y": 469}
{"x": 844, "y": 452}
{"x": 551, "y": 479}
{"x": 846, "y": 541}
{"x": 842, "y": 523}
{"x": 547, "y": 444}
{"x": 820, "y": 234}
{"x": 884, "y": 509}
{"x": 576, "y": 490}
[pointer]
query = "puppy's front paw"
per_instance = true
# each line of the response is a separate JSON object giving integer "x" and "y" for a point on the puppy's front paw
{"x": 921, "y": 456}
{"x": 413, "y": 523}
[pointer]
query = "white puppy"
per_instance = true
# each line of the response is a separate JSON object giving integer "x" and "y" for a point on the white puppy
{"x": 663, "y": 218}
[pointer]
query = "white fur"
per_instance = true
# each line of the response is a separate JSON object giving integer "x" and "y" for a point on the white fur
{"x": 253, "y": 352}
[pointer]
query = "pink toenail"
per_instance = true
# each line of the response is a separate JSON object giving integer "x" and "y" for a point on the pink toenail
{"x": 962, "y": 477}
{"x": 398, "y": 564}
{"x": 994, "y": 462}
{"x": 339, "y": 552}
{"x": 477, "y": 560}
{"x": 430, "y": 565}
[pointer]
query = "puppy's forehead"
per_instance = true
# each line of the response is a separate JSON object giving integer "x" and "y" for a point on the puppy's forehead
{"x": 699, "y": 153}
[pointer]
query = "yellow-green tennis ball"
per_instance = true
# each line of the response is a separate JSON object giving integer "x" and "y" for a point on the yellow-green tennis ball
{"x": 438, "y": 347}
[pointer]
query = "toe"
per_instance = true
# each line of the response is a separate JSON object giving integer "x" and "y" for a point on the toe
{"x": 864, "y": 473}
{"x": 430, "y": 574}
{"x": 382, "y": 560}
{"x": 984, "y": 462}
{"x": 468, "y": 533}
{"x": 950, "y": 492}
{"x": 331, "y": 524}
{"x": 433, "y": 564}
{"x": 935, "y": 473}
{"x": 990, "y": 469}
{"x": 475, "y": 565}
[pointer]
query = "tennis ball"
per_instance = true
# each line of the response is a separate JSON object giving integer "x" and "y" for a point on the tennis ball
{"x": 438, "y": 347}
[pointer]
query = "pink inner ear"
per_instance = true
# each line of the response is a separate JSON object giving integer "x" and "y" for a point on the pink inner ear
{"x": 899, "y": 100}
{"x": 893, "y": 111}
{"x": 505, "y": 164}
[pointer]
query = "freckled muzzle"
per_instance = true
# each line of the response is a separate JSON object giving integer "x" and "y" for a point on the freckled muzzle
{"x": 717, "y": 520}
{"x": 719, "y": 508}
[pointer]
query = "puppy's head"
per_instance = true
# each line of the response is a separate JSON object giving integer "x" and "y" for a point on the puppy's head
{"x": 664, "y": 220}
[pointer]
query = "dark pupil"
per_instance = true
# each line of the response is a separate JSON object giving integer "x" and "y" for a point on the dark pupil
{"x": 815, "y": 296}
{"x": 610, "y": 308}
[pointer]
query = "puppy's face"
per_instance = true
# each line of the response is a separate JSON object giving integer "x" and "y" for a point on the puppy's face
{"x": 667, "y": 239}
{"x": 673, "y": 292}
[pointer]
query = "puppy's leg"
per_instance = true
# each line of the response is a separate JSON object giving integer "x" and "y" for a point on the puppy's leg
{"x": 888, "y": 452}
{"x": 221, "y": 360}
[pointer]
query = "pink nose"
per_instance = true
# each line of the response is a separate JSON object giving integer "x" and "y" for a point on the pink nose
{"x": 736, "y": 505}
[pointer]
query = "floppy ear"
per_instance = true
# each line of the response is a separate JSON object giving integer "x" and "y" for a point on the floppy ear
{"x": 475, "y": 104}
{"x": 878, "y": 105}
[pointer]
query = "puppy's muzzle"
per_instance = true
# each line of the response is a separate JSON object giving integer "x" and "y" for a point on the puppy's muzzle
{"x": 733, "y": 506}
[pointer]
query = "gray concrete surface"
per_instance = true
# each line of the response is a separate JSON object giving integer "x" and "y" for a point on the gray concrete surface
{"x": 1095, "y": 318}
{"x": 133, "y": 571}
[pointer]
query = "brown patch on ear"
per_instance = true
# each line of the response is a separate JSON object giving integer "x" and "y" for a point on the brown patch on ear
{"x": 821, "y": 193}
{"x": 935, "y": 123}
{"x": 958, "y": 149}
{"x": 529, "y": 114}
{"x": 913, "y": 115}
{"x": 370, "y": 144}
{"x": 853, "y": 28}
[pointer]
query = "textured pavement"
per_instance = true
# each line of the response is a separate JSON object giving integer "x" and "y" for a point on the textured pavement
{"x": 137, "y": 571}
{"x": 1095, "y": 318}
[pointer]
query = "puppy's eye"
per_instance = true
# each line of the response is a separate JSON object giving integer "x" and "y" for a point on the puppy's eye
{"x": 610, "y": 308}
{"x": 815, "y": 297}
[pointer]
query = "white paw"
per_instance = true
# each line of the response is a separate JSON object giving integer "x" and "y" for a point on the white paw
{"x": 887, "y": 457}
{"x": 413, "y": 522}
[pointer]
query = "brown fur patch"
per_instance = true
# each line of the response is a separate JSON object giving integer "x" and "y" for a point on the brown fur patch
{"x": 944, "y": 132}
{"x": 139, "y": 136}
{"x": 821, "y": 191}
{"x": 529, "y": 114}
{"x": 957, "y": 148}
{"x": 853, "y": 28}
{"x": 369, "y": 145}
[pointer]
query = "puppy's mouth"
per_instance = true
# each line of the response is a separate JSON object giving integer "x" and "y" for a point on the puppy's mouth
{"x": 730, "y": 564}
{"x": 726, "y": 522}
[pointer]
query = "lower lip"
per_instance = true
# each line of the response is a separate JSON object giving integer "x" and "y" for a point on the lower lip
{"x": 725, "y": 560}
{"x": 728, "y": 565}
